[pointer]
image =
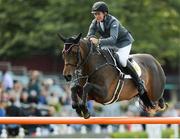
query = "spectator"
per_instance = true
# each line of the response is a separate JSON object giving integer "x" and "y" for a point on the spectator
{"x": 42, "y": 98}
{"x": 66, "y": 99}
{"x": 32, "y": 111}
{"x": 34, "y": 84}
{"x": 1, "y": 92}
{"x": 7, "y": 80}
{"x": 2, "y": 114}
{"x": 1, "y": 87}
{"x": 44, "y": 92}
{"x": 16, "y": 91}
{"x": 57, "y": 89}
{"x": 53, "y": 100}
{"x": 33, "y": 98}
{"x": 13, "y": 111}
{"x": 24, "y": 97}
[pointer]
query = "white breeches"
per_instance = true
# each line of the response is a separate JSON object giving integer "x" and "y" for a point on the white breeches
{"x": 123, "y": 54}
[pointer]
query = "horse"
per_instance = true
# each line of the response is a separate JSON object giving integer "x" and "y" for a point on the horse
{"x": 94, "y": 78}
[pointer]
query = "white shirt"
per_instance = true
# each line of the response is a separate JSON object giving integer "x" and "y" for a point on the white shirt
{"x": 102, "y": 26}
{"x": 7, "y": 81}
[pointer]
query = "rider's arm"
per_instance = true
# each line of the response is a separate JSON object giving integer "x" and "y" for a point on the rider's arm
{"x": 113, "y": 35}
{"x": 92, "y": 29}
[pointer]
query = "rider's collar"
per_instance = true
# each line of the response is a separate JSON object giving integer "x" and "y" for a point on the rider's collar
{"x": 105, "y": 17}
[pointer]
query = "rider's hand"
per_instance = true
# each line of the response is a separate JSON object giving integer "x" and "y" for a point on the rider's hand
{"x": 95, "y": 41}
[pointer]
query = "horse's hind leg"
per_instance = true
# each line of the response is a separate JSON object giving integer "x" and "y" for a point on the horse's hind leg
{"x": 162, "y": 104}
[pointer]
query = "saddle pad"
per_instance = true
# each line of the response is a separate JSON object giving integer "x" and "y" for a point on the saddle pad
{"x": 136, "y": 67}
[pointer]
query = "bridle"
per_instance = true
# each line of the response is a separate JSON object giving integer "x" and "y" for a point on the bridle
{"x": 68, "y": 50}
{"x": 81, "y": 62}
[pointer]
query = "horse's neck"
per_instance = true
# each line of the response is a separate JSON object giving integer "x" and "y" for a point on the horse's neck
{"x": 84, "y": 50}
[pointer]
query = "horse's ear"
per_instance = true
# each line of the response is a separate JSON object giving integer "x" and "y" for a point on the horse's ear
{"x": 61, "y": 37}
{"x": 78, "y": 38}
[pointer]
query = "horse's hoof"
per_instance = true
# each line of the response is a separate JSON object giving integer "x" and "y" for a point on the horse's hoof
{"x": 75, "y": 106}
{"x": 82, "y": 106}
{"x": 165, "y": 107}
{"x": 152, "y": 111}
{"x": 87, "y": 115}
{"x": 79, "y": 113}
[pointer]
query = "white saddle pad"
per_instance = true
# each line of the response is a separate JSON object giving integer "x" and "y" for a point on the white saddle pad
{"x": 136, "y": 67}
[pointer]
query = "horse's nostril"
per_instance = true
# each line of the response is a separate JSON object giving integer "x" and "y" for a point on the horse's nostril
{"x": 68, "y": 77}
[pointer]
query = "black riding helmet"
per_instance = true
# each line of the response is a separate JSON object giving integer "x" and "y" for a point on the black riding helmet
{"x": 99, "y": 7}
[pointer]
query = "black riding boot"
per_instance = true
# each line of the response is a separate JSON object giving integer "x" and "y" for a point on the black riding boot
{"x": 129, "y": 69}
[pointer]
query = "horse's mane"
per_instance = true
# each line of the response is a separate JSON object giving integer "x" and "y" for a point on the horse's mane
{"x": 87, "y": 42}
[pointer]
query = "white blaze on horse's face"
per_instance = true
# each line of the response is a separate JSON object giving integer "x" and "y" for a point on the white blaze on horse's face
{"x": 70, "y": 60}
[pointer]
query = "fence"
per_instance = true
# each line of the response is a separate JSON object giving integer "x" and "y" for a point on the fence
{"x": 92, "y": 120}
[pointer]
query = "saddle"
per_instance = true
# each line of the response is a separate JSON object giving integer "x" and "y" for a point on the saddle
{"x": 110, "y": 54}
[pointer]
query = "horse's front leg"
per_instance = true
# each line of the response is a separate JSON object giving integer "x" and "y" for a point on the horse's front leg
{"x": 75, "y": 100}
{"x": 88, "y": 89}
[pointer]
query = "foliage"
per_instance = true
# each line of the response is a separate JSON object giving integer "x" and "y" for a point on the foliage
{"x": 130, "y": 135}
{"x": 166, "y": 133}
{"x": 29, "y": 27}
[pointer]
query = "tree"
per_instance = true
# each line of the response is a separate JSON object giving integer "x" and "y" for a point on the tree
{"x": 29, "y": 27}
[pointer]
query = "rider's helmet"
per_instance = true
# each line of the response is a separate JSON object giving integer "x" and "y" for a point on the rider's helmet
{"x": 99, "y": 7}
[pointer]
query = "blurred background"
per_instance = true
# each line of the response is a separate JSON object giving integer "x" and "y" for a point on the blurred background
{"x": 31, "y": 82}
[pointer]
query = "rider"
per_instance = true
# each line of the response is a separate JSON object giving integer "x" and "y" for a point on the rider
{"x": 113, "y": 33}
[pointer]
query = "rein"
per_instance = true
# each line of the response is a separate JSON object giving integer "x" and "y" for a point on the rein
{"x": 85, "y": 61}
{"x": 78, "y": 71}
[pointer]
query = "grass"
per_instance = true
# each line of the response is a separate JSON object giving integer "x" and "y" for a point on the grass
{"x": 166, "y": 133}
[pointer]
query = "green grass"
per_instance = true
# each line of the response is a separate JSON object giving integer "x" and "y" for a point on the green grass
{"x": 166, "y": 133}
{"x": 129, "y": 135}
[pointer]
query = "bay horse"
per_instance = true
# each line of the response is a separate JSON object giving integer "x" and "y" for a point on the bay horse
{"x": 97, "y": 79}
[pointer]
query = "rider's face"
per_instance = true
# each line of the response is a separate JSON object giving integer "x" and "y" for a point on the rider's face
{"x": 99, "y": 16}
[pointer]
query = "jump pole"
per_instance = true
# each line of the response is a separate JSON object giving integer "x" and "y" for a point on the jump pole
{"x": 92, "y": 120}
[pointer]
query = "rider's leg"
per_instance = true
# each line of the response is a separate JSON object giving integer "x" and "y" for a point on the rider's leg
{"x": 125, "y": 65}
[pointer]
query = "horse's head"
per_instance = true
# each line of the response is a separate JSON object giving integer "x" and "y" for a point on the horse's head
{"x": 70, "y": 55}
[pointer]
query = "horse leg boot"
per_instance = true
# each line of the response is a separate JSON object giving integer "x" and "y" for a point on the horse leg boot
{"x": 129, "y": 69}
